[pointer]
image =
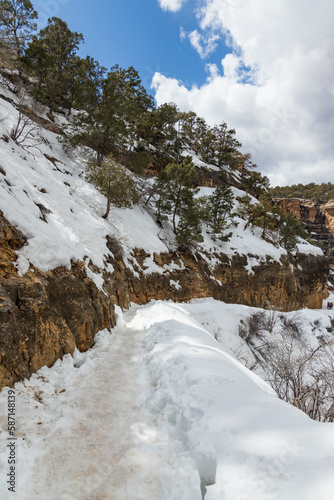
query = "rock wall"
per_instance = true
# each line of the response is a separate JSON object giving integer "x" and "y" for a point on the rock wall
{"x": 328, "y": 210}
{"x": 318, "y": 219}
{"x": 302, "y": 209}
{"x": 46, "y": 315}
{"x": 279, "y": 285}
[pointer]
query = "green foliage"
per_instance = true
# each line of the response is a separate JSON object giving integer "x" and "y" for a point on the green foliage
{"x": 261, "y": 214}
{"x": 227, "y": 146}
{"x": 271, "y": 218}
{"x": 137, "y": 161}
{"x": 317, "y": 192}
{"x": 208, "y": 146}
{"x": 255, "y": 184}
{"x": 17, "y": 22}
{"x": 219, "y": 208}
{"x": 88, "y": 80}
{"x": 189, "y": 226}
{"x": 51, "y": 57}
{"x": 157, "y": 128}
{"x": 113, "y": 113}
{"x": 291, "y": 229}
{"x": 176, "y": 197}
{"x": 114, "y": 182}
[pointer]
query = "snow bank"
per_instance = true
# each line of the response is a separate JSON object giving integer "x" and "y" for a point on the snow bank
{"x": 225, "y": 422}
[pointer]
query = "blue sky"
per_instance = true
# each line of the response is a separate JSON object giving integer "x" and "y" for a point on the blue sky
{"x": 273, "y": 83}
{"x": 135, "y": 33}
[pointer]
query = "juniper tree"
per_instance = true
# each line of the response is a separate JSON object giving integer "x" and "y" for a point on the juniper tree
{"x": 227, "y": 146}
{"x": 51, "y": 57}
{"x": 177, "y": 199}
{"x": 220, "y": 205}
{"x": 17, "y": 23}
{"x": 114, "y": 182}
{"x": 108, "y": 124}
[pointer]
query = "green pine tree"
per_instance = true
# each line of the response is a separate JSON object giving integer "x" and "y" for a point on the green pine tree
{"x": 111, "y": 119}
{"x": 17, "y": 23}
{"x": 227, "y": 147}
{"x": 114, "y": 182}
{"x": 189, "y": 229}
{"x": 51, "y": 57}
{"x": 290, "y": 230}
{"x": 176, "y": 197}
{"x": 220, "y": 205}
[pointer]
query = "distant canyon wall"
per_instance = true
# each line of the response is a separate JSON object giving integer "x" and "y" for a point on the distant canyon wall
{"x": 318, "y": 218}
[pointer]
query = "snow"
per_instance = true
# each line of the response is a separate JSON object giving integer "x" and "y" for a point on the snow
{"x": 159, "y": 409}
{"x": 175, "y": 284}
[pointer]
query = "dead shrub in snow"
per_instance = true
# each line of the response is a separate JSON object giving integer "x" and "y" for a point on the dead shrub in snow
{"x": 302, "y": 375}
{"x": 24, "y": 133}
{"x": 292, "y": 324}
{"x": 253, "y": 327}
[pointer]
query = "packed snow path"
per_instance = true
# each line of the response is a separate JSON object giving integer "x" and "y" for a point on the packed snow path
{"x": 91, "y": 453}
{"x": 159, "y": 410}
{"x": 96, "y": 441}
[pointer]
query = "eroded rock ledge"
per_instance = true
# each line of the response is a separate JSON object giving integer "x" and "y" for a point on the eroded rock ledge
{"x": 46, "y": 315}
{"x": 279, "y": 285}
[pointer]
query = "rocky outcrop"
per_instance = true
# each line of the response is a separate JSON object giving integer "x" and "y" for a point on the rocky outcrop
{"x": 44, "y": 315}
{"x": 270, "y": 284}
{"x": 318, "y": 220}
{"x": 306, "y": 210}
{"x": 328, "y": 210}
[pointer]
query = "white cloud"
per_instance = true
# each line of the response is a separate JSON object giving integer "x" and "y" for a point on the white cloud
{"x": 203, "y": 44}
{"x": 285, "y": 117}
{"x": 183, "y": 34}
{"x": 213, "y": 71}
{"x": 172, "y": 5}
{"x": 231, "y": 64}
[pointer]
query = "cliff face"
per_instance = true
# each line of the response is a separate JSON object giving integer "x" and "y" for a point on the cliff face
{"x": 318, "y": 219}
{"x": 270, "y": 284}
{"x": 44, "y": 315}
{"x": 328, "y": 210}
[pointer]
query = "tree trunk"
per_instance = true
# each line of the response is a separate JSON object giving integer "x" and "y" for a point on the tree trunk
{"x": 105, "y": 216}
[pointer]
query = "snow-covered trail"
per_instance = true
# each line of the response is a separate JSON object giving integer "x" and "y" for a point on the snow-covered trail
{"x": 159, "y": 410}
{"x": 95, "y": 440}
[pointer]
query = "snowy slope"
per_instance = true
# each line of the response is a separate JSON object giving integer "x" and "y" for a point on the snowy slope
{"x": 60, "y": 213}
{"x": 160, "y": 410}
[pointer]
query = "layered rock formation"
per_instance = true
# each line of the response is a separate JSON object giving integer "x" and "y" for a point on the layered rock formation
{"x": 328, "y": 210}
{"x": 44, "y": 315}
{"x": 318, "y": 219}
{"x": 270, "y": 284}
